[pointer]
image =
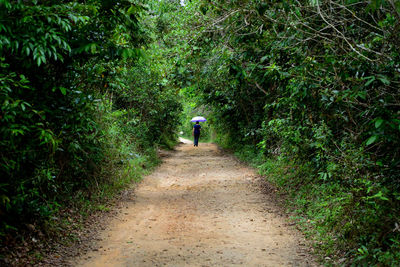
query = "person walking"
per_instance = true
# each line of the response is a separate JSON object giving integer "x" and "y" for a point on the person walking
{"x": 196, "y": 133}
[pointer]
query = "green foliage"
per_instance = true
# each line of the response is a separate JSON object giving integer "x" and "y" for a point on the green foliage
{"x": 84, "y": 104}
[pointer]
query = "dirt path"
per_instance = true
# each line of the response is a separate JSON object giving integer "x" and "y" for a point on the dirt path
{"x": 199, "y": 208}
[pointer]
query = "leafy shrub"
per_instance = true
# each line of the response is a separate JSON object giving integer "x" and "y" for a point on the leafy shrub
{"x": 82, "y": 108}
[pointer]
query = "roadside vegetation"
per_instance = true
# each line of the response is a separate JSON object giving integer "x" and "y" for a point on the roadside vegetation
{"x": 84, "y": 107}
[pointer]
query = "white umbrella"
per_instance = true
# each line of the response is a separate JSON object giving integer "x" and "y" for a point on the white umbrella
{"x": 198, "y": 118}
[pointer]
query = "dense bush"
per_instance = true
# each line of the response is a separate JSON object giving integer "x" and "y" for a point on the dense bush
{"x": 82, "y": 108}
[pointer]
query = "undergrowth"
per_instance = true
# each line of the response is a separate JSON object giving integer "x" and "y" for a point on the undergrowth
{"x": 60, "y": 217}
{"x": 345, "y": 226}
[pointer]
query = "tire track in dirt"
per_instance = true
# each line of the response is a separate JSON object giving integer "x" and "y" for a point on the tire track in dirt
{"x": 201, "y": 207}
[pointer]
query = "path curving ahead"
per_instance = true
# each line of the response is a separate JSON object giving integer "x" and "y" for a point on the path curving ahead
{"x": 201, "y": 207}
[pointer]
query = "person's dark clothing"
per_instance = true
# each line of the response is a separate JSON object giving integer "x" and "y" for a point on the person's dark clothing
{"x": 196, "y": 139}
{"x": 197, "y": 128}
{"x": 196, "y": 134}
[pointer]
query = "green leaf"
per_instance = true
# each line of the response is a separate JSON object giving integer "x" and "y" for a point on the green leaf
{"x": 371, "y": 140}
{"x": 63, "y": 90}
{"x": 362, "y": 95}
{"x": 264, "y": 58}
{"x": 384, "y": 79}
{"x": 378, "y": 123}
{"x": 370, "y": 80}
{"x": 379, "y": 195}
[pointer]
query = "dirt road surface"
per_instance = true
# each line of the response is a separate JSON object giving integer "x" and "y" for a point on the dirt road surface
{"x": 201, "y": 207}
